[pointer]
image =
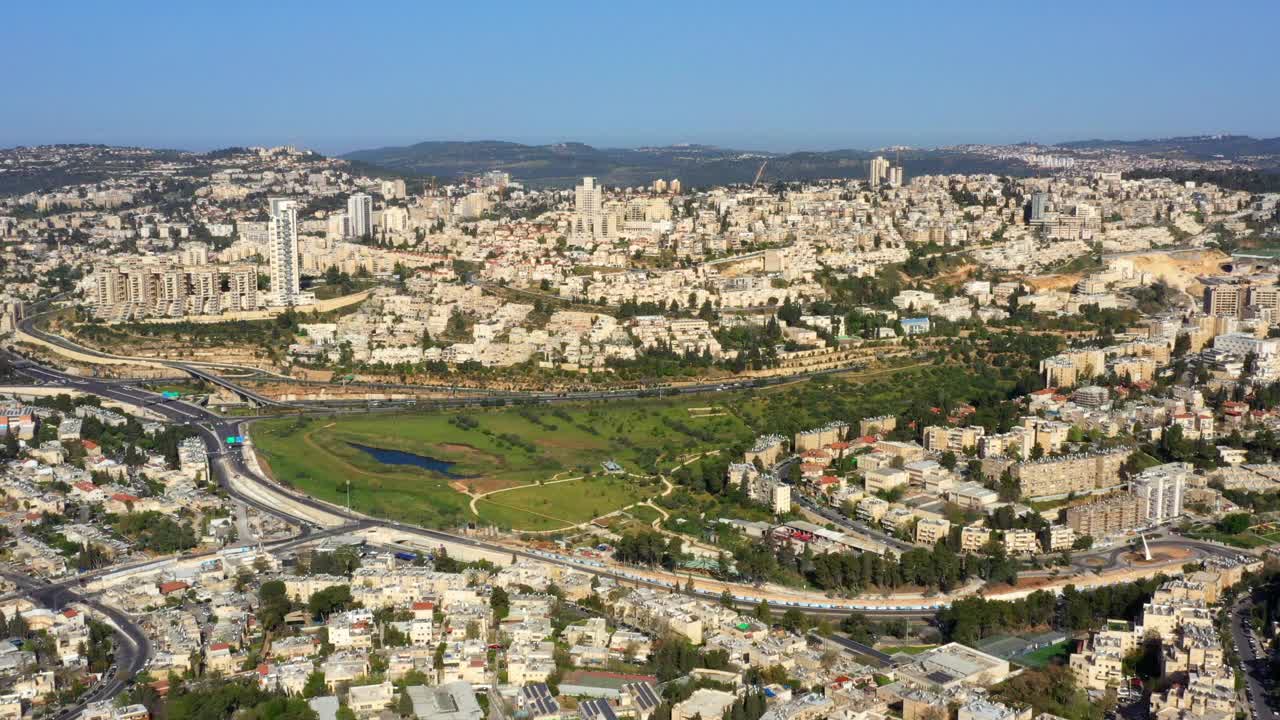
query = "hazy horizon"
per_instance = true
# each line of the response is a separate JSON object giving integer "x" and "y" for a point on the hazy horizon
{"x": 340, "y": 149}
{"x": 741, "y": 75}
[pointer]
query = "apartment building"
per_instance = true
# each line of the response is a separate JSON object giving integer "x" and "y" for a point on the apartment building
{"x": 1114, "y": 514}
{"x": 1160, "y": 491}
{"x": 1059, "y": 538}
{"x": 1078, "y": 473}
{"x": 165, "y": 289}
{"x": 939, "y": 438}
{"x": 818, "y": 437}
{"x": 973, "y": 538}
{"x": 930, "y": 530}
{"x": 1021, "y": 542}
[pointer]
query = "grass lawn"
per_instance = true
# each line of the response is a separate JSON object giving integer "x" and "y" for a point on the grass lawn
{"x": 1246, "y": 540}
{"x": 1045, "y": 655}
{"x": 908, "y": 649}
{"x": 182, "y": 388}
{"x": 490, "y": 450}
{"x": 548, "y": 507}
{"x": 644, "y": 514}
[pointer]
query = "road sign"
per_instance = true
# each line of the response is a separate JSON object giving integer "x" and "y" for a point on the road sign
{"x": 170, "y": 395}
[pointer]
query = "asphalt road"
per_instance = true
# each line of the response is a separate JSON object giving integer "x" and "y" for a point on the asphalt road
{"x": 865, "y": 652}
{"x": 214, "y": 429}
{"x": 1258, "y": 680}
{"x": 465, "y": 396}
{"x": 132, "y": 646}
{"x": 853, "y": 526}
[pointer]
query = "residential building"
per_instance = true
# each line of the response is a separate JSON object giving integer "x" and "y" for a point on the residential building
{"x": 282, "y": 252}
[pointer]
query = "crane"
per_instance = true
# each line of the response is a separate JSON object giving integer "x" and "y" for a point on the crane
{"x": 759, "y": 174}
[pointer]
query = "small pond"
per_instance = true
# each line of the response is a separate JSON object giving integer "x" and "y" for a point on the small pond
{"x": 400, "y": 457}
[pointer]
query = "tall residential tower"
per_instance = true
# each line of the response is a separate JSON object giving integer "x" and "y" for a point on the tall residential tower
{"x": 282, "y": 251}
{"x": 360, "y": 215}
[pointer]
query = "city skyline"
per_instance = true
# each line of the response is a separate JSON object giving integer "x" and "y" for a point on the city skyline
{"x": 821, "y": 77}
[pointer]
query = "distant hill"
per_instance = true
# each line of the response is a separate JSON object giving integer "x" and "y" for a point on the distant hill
{"x": 563, "y": 164}
{"x": 1198, "y": 147}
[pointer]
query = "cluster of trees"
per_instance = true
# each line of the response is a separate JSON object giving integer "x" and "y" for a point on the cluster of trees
{"x": 218, "y": 699}
{"x": 937, "y": 568}
{"x": 154, "y": 531}
{"x": 1053, "y": 690}
{"x": 973, "y": 618}
{"x": 940, "y": 568}
{"x": 330, "y": 600}
{"x": 708, "y": 474}
{"x": 648, "y": 547}
{"x": 676, "y": 657}
{"x": 1253, "y": 181}
{"x": 273, "y": 604}
{"x": 342, "y": 562}
{"x": 1173, "y": 447}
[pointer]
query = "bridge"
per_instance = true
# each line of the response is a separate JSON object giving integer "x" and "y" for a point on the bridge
{"x": 253, "y": 398}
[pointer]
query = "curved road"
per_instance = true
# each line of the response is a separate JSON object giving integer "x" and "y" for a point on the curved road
{"x": 130, "y": 655}
{"x": 229, "y": 461}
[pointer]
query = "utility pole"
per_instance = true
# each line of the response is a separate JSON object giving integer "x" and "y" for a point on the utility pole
{"x": 348, "y": 494}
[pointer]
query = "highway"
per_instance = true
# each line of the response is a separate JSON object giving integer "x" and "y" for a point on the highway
{"x": 229, "y": 462}
{"x": 462, "y": 396}
{"x": 233, "y": 473}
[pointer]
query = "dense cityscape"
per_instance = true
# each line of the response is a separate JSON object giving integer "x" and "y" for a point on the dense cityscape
{"x": 709, "y": 362}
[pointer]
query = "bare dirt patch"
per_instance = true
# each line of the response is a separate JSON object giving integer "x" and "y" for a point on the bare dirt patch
{"x": 1182, "y": 270}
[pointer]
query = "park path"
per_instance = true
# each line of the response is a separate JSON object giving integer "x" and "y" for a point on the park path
{"x": 476, "y": 497}
{"x": 668, "y": 488}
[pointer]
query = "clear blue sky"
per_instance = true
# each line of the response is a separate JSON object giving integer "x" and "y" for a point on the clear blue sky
{"x": 767, "y": 75}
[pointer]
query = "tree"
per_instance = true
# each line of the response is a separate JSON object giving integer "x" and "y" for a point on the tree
{"x": 794, "y": 620}
{"x": 273, "y": 604}
{"x": 315, "y": 686}
{"x": 1181, "y": 345}
{"x": 763, "y": 613}
{"x": 1234, "y": 523}
{"x": 328, "y": 600}
{"x": 500, "y": 602}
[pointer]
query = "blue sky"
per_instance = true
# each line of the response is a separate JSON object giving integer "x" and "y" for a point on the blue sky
{"x": 756, "y": 75}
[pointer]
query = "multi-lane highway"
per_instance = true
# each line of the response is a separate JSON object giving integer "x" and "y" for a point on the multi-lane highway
{"x": 242, "y": 482}
{"x": 459, "y": 396}
{"x": 234, "y": 472}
